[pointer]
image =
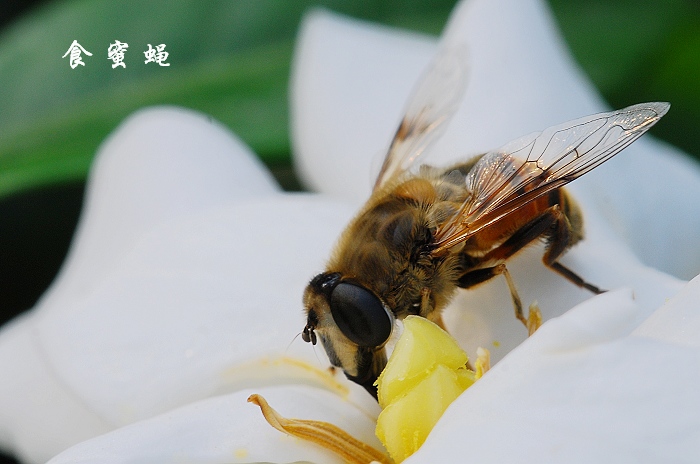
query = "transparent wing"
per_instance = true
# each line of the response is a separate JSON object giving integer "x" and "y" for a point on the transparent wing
{"x": 504, "y": 180}
{"x": 433, "y": 103}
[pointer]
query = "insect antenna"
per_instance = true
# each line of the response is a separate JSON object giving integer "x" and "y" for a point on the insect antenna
{"x": 286, "y": 351}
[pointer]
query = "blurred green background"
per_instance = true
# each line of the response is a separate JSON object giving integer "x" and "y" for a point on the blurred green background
{"x": 231, "y": 59}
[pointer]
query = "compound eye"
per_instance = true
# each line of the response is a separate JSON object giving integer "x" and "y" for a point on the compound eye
{"x": 360, "y": 315}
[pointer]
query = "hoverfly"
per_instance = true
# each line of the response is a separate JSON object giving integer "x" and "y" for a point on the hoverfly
{"x": 424, "y": 234}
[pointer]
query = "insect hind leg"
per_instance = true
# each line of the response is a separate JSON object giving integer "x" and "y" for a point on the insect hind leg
{"x": 574, "y": 278}
{"x": 558, "y": 241}
{"x": 553, "y": 226}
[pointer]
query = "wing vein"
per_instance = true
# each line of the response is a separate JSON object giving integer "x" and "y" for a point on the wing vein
{"x": 504, "y": 180}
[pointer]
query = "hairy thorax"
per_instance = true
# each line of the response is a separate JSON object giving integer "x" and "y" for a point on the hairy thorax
{"x": 387, "y": 246}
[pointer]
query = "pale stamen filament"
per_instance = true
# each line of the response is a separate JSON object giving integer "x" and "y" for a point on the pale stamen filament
{"x": 323, "y": 434}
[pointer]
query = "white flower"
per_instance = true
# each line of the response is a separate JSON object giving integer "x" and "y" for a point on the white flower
{"x": 181, "y": 293}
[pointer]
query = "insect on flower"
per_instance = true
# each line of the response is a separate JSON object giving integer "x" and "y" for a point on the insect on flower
{"x": 426, "y": 232}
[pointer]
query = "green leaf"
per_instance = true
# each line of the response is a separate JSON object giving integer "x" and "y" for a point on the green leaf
{"x": 229, "y": 59}
{"x": 641, "y": 51}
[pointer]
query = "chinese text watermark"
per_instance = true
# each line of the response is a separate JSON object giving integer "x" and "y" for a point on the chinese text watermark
{"x": 157, "y": 55}
{"x": 76, "y": 50}
{"x": 116, "y": 53}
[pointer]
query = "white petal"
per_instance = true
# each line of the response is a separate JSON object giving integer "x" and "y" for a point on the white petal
{"x": 678, "y": 321}
{"x": 226, "y": 429}
{"x": 176, "y": 289}
{"x": 350, "y": 81}
{"x": 485, "y": 316}
{"x": 345, "y": 82}
{"x": 644, "y": 194}
{"x": 522, "y": 77}
{"x": 523, "y": 80}
{"x": 348, "y": 94}
{"x": 38, "y": 416}
{"x": 575, "y": 392}
{"x": 160, "y": 163}
{"x": 200, "y": 306}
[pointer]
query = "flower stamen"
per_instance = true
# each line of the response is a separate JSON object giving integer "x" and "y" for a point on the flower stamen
{"x": 323, "y": 434}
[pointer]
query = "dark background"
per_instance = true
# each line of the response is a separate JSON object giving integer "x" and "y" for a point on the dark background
{"x": 29, "y": 278}
{"x": 29, "y": 269}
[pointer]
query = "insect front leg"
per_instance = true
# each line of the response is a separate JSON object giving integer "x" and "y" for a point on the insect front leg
{"x": 427, "y": 310}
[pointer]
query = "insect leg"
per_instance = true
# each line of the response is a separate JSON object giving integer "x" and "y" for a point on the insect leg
{"x": 555, "y": 228}
{"x": 558, "y": 241}
{"x": 541, "y": 226}
{"x": 552, "y": 225}
{"x": 572, "y": 277}
{"x": 477, "y": 276}
{"x": 513, "y": 294}
{"x": 427, "y": 311}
